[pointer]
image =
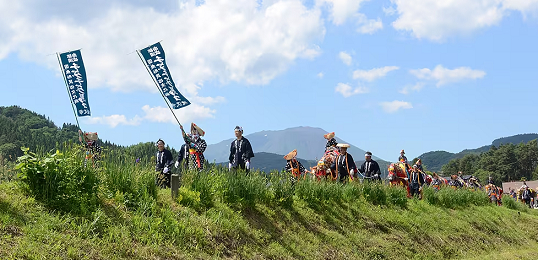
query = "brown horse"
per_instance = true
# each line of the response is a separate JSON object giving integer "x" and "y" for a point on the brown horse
{"x": 398, "y": 176}
{"x": 323, "y": 169}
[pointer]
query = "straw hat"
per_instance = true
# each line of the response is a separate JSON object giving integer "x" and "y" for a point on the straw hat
{"x": 343, "y": 145}
{"x": 198, "y": 129}
{"x": 290, "y": 155}
{"x": 91, "y": 136}
{"x": 329, "y": 136}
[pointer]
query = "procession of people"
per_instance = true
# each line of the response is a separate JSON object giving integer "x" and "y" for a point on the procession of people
{"x": 337, "y": 164}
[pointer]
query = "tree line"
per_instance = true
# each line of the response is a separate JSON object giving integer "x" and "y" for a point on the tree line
{"x": 506, "y": 162}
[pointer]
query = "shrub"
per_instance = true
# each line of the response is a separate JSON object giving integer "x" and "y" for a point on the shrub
{"x": 511, "y": 203}
{"x": 60, "y": 180}
{"x": 374, "y": 193}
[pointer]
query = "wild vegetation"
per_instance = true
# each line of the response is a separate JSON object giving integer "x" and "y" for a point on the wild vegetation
{"x": 117, "y": 212}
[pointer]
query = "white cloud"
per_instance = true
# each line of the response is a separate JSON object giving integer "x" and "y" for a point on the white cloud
{"x": 347, "y": 91}
{"x": 156, "y": 114}
{"x": 113, "y": 120}
{"x": 394, "y": 106}
{"x": 407, "y": 89}
{"x": 222, "y": 41}
{"x": 345, "y": 57}
{"x": 373, "y": 74}
{"x": 444, "y": 76}
{"x": 341, "y": 10}
{"x": 320, "y": 75}
{"x": 436, "y": 20}
{"x": 369, "y": 26}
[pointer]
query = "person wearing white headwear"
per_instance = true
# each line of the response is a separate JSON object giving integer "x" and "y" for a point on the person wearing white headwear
{"x": 240, "y": 151}
{"x": 370, "y": 168}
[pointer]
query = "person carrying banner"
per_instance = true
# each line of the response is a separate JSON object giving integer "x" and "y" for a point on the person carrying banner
{"x": 294, "y": 166}
{"x": 344, "y": 164}
{"x": 163, "y": 165}
{"x": 197, "y": 146}
{"x": 240, "y": 152}
{"x": 91, "y": 146}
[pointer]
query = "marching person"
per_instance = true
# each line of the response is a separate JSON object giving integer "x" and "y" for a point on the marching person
{"x": 344, "y": 165}
{"x": 240, "y": 152}
{"x": 370, "y": 168}
{"x": 294, "y": 166}
{"x": 436, "y": 183}
{"x": 197, "y": 147}
{"x": 92, "y": 147}
{"x": 182, "y": 161}
{"x": 331, "y": 142}
{"x": 164, "y": 161}
{"x": 416, "y": 180}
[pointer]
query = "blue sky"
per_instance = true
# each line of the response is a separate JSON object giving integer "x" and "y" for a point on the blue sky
{"x": 384, "y": 75}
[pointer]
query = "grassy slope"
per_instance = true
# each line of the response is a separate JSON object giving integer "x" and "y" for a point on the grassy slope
{"x": 342, "y": 231}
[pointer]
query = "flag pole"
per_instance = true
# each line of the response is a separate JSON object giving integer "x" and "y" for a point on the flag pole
{"x": 67, "y": 88}
{"x": 162, "y": 94}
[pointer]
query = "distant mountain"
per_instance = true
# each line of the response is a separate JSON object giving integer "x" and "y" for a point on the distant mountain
{"x": 308, "y": 141}
{"x": 275, "y": 162}
{"x": 436, "y": 159}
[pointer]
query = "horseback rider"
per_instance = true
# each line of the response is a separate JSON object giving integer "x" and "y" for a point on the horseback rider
{"x": 331, "y": 142}
{"x": 240, "y": 151}
{"x": 294, "y": 166}
{"x": 344, "y": 165}
{"x": 370, "y": 168}
{"x": 164, "y": 161}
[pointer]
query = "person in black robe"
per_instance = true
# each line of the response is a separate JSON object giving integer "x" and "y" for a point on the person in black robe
{"x": 416, "y": 180}
{"x": 182, "y": 161}
{"x": 240, "y": 152}
{"x": 293, "y": 166}
{"x": 163, "y": 165}
{"x": 370, "y": 168}
{"x": 344, "y": 164}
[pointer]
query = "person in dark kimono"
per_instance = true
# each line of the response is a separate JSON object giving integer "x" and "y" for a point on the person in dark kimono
{"x": 293, "y": 166}
{"x": 331, "y": 142}
{"x": 370, "y": 168}
{"x": 182, "y": 161}
{"x": 344, "y": 165}
{"x": 197, "y": 146}
{"x": 240, "y": 152}
{"x": 416, "y": 180}
{"x": 92, "y": 148}
{"x": 163, "y": 165}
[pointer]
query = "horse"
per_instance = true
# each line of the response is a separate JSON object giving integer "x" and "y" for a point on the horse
{"x": 323, "y": 169}
{"x": 398, "y": 176}
{"x": 494, "y": 193}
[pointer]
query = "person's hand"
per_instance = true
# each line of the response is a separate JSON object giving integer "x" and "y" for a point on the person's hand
{"x": 247, "y": 165}
{"x": 176, "y": 164}
{"x": 352, "y": 172}
{"x": 166, "y": 170}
